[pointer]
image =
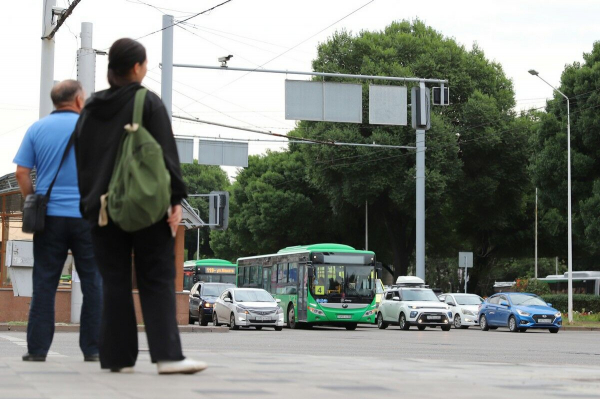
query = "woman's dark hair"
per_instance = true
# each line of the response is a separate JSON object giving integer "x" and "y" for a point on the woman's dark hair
{"x": 122, "y": 56}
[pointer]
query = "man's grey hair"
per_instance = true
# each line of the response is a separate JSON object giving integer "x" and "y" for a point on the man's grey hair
{"x": 65, "y": 92}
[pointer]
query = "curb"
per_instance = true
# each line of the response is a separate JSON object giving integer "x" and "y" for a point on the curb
{"x": 75, "y": 328}
{"x": 567, "y": 328}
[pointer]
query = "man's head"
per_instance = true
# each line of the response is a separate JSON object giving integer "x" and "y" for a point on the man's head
{"x": 68, "y": 95}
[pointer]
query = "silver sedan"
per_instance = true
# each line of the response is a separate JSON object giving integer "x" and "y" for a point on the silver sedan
{"x": 247, "y": 307}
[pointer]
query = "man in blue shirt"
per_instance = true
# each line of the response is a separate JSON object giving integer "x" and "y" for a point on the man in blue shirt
{"x": 42, "y": 148}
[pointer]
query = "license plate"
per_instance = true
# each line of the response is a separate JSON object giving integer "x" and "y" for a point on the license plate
{"x": 544, "y": 321}
{"x": 262, "y": 318}
{"x": 344, "y": 316}
{"x": 434, "y": 317}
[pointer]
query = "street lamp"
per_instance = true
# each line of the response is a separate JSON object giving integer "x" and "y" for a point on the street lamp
{"x": 570, "y": 235}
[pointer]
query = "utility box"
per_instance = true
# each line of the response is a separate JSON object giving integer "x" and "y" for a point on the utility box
{"x": 19, "y": 261}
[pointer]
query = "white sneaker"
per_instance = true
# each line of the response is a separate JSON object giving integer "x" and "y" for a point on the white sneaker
{"x": 185, "y": 366}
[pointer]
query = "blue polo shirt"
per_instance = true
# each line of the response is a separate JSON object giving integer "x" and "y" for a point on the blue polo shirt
{"x": 42, "y": 148}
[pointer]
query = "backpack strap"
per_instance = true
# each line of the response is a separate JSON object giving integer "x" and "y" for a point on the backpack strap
{"x": 138, "y": 106}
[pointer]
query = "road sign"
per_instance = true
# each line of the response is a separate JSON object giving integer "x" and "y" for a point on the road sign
{"x": 465, "y": 259}
{"x": 388, "y": 105}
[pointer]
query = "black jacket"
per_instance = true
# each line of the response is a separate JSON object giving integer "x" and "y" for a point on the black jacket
{"x": 97, "y": 137}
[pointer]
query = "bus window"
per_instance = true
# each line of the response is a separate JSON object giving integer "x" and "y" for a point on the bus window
{"x": 267, "y": 279}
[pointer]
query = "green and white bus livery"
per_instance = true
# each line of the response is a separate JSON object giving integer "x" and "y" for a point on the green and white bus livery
{"x": 319, "y": 284}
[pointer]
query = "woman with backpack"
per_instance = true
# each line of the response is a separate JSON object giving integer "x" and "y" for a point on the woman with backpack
{"x": 123, "y": 229}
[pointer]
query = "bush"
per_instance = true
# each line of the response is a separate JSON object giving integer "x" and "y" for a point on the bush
{"x": 581, "y": 303}
{"x": 532, "y": 285}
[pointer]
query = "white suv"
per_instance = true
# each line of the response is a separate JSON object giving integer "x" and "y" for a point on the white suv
{"x": 412, "y": 306}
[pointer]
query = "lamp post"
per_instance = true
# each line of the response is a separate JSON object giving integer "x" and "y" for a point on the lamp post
{"x": 570, "y": 235}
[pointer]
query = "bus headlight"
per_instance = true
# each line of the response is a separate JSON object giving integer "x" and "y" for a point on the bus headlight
{"x": 369, "y": 313}
{"x": 316, "y": 311}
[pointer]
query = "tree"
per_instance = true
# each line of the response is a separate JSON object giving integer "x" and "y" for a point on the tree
{"x": 272, "y": 206}
{"x": 581, "y": 83}
{"x": 201, "y": 179}
{"x": 469, "y": 200}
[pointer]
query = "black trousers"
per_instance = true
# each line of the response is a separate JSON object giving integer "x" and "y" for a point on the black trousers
{"x": 154, "y": 255}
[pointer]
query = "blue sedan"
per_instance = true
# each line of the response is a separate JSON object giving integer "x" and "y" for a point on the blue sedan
{"x": 518, "y": 311}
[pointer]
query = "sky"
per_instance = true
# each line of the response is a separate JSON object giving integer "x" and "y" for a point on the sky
{"x": 544, "y": 35}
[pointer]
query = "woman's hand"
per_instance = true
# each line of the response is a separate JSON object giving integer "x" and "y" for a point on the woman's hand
{"x": 175, "y": 218}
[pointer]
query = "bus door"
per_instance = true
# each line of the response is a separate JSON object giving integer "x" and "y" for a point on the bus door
{"x": 267, "y": 279}
{"x": 302, "y": 284}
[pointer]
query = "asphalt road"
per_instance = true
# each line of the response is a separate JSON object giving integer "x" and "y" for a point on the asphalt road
{"x": 326, "y": 362}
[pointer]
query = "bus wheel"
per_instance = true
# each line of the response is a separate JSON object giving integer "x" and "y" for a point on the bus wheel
{"x": 351, "y": 327}
{"x": 291, "y": 321}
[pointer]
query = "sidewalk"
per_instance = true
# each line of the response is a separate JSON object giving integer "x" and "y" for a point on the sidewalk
{"x": 61, "y": 327}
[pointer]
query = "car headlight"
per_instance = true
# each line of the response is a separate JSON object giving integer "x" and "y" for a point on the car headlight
{"x": 467, "y": 312}
{"x": 557, "y": 314}
{"x": 279, "y": 310}
{"x": 316, "y": 311}
{"x": 523, "y": 313}
{"x": 413, "y": 314}
{"x": 369, "y": 312}
{"x": 412, "y": 306}
{"x": 207, "y": 305}
{"x": 241, "y": 310}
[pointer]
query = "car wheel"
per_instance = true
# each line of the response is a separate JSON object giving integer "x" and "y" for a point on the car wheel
{"x": 421, "y": 328}
{"x": 291, "y": 323}
{"x": 232, "y": 325}
{"x": 512, "y": 324}
{"x": 457, "y": 321}
{"x": 446, "y": 328}
{"x": 522, "y": 329}
{"x": 203, "y": 322}
{"x": 465, "y": 327}
{"x": 190, "y": 318}
{"x": 215, "y": 319}
{"x": 351, "y": 327}
{"x": 278, "y": 328}
{"x": 553, "y": 330}
{"x": 402, "y": 322}
{"x": 258, "y": 328}
{"x": 382, "y": 325}
{"x": 483, "y": 323}
{"x": 493, "y": 328}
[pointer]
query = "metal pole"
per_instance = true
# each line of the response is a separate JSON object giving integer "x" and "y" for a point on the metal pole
{"x": 86, "y": 60}
{"x": 326, "y": 74}
{"x": 366, "y": 226}
{"x": 466, "y": 273}
{"x": 536, "y": 235}
{"x": 556, "y": 265}
{"x": 570, "y": 248}
{"x": 570, "y": 236}
{"x": 166, "y": 87}
{"x": 47, "y": 61}
{"x": 198, "y": 245}
{"x": 420, "y": 194}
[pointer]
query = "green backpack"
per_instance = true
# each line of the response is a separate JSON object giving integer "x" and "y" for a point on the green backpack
{"x": 139, "y": 192}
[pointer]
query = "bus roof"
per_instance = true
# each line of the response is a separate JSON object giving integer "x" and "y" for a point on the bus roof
{"x": 208, "y": 262}
{"x": 327, "y": 247}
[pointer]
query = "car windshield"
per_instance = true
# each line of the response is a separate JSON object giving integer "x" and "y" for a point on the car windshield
{"x": 253, "y": 296}
{"x": 468, "y": 299}
{"x": 527, "y": 300}
{"x": 337, "y": 284}
{"x": 214, "y": 289}
{"x": 419, "y": 295}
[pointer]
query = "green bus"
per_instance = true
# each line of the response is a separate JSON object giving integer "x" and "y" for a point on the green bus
{"x": 209, "y": 271}
{"x": 319, "y": 284}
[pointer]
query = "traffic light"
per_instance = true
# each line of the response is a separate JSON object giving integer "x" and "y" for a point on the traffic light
{"x": 218, "y": 210}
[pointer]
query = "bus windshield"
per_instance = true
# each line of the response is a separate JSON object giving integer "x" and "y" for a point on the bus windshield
{"x": 337, "y": 284}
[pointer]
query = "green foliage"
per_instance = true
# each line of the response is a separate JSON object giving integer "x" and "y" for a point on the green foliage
{"x": 273, "y": 206}
{"x": 476, "y": 201}
{"x": 201, "y": 179}
{"x": 532, "y": 286}
{"x": 581, "y": 303}
{"x": 580, "y": 82}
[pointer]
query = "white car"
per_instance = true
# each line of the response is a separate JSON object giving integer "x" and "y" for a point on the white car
{"x": 247, "y": 307}
{"x": 464, "y": 309}
{"x": 412, "y": 306}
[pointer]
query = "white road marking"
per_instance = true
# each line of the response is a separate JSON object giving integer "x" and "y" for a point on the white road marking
{"x": 23, "y": 343}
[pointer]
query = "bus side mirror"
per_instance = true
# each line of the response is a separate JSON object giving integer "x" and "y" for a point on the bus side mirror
{"x": 378, "y": 267}
{"x": 311, "y": 272}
